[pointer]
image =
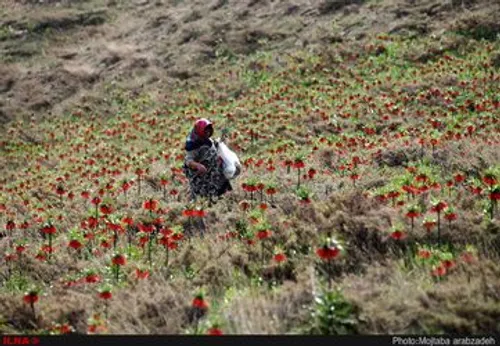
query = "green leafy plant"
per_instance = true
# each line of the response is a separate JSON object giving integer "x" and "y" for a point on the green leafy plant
{"x": 332, "y": 314}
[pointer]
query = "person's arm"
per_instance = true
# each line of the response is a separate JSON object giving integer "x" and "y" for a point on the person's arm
{"x": 194, "y": 165}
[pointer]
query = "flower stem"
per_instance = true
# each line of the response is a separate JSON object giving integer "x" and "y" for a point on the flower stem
{"x": 150, "y": 249}
{"x": 117, "y": 272}
{"x": 50, "y": 246}
{"x": 439, "y": 227}
{"x": 32, "y": 305}
{"x": 167, "y": 256}
{"x": 106, "y": 308}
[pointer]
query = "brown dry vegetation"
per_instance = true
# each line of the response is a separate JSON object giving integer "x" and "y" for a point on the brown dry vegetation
{"x": 58, "y": 54}
{"x": 62, "y": 54}
{"x": 390, "y": 297}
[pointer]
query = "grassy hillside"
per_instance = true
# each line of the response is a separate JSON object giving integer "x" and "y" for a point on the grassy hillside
{"x": 369, "y": 197}
{"x": 60, "y": 54}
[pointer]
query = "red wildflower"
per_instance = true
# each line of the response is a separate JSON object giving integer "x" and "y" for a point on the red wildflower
{"x": 398, "y": 235}
{"x": 421, "y": 178}
{"x": 393, "y": 194}
{"x": 31, "y": 297}
{"x": 10, "y": 225}
{"x": 106, "y": 209}
{"x": 429, "y": 224}
{"x": 271, "y": 191}
{"x": 92, "y": 278}
{"x": 115, "y": 227}
{"x": 60, "y": 190}
{"x": 279, "y": 257}
{"x": 244, "y": 205}
{"x": 327, "y": 253}
{"x": 439, "y": 271}
{"x": 9, "y": 257}
{"x": 199, "y": 303}
{"x": 305, "y": 201}
{"x": 96, "y": 200}
{"x": 92, "y": 222}
{"x": 489, "y": 180}
{"x": 47, "y": 249}
{"x": 126, "y": 186}
{"x": 141, "y": 273}
{"x": 143, "y": 239}
{"x": 468, "y": 257}
{"x": 264, "y": 234}
{"x": 408, "y": 189}
{"x": 119, "y": 260}
{"x": 89, "y": 235}
{"x": 459, "y": 178}
{"x": 424, "y": 254}
{"x": 105, "y": 244}
{"x": 436, "y": 186}
{"x": 298, "y": 164}
{"x": 49, "y": 229}
{"x": 199, "y": 213}
{"x": 64, "y": 329}
{"x": 439, "y": 206}
{"x": 448, "y": 264}
{"x": 172, "y": 245}
{"x": 146, "y": 228}
{"x": 166, "y": 232}
{"x": 214, "y": 331}
{"x": 412, "y": 214}
{"x": 128, "y": 220}
{"x": 177, "y": 236}
{"x": 105, "y": 295}
{"x": 188, "y": 213}
{"x": 151, "y": 205}
{"x": 476, "y": 190}
{"x": 311, "y": 173}
{"x": 450, "y": 216}
{"x": 164, "y": 240}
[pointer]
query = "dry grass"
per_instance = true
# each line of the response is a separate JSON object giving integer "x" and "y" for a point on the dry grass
{"x": 143, "y": 49}
{"x": 413, "y": 303}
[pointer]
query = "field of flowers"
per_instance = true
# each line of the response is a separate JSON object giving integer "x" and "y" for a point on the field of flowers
{"x": 368, "y": 202}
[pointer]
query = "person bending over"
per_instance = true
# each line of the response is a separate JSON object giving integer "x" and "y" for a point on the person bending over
{"x": 202, "y": 165}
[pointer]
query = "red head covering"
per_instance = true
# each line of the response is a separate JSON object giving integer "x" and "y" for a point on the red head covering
{"x": 203, "y": 128}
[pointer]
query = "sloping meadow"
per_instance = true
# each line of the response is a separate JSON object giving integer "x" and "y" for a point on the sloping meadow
{"x": 368, "y": 201}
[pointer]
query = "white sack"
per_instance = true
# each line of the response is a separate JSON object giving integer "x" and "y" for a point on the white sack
{"x": 230, "y": 162}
